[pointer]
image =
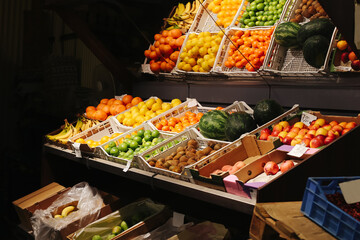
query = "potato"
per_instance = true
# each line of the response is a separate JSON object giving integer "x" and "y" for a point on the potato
{"x": 298, "y": 11}
{"x": 177, "y": 169}
{"x": 207, "y": 150}
{"x": 193, "y": 143}
{"x": 183, "y": 159}
{"x": 173, "y": 162}
{"x": 168, "y": 158}
{"x": 306, "y": 13}
{"x": 190, "y": 154}
{"x": 189, "y": 162}
{"x": 159, "y": 164}
{"x": 180, "y": 149}
{"x": 167, "y": 164}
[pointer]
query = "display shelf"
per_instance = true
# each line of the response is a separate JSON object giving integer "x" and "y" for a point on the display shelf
{"x": 219, "y": 198}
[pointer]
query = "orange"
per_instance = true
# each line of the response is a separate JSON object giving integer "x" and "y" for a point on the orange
{"x": 110, "y": 102}
{"x": 175, "y": 33}
{"x": 136, "y": 100}
{"x": 159, "y": 126}
{"x": 113, "y": 109}
{"x": 119, "y": 108}
{"x": 165, "y": 33}
{"x": 342, "y": 45}
{"x": 127, "y": 99}
{"x": 157, "y": 36}
{"x": 106, "y": 109}
{"x": 164, "y": 122}
{"x": 100, "y": 115}
{"x": 199, "y": 115}
{"x": 174, "y": 56}
{"x": 100, "y": 106}
{"x": 129, "y": 105}
{"x": 352, "y": 56}
{"x": 104, "y": 100}
{"x": 90, "y": 108}
{"x": 165, "y": 128}
{"x": 117, "y": 101}
{"x": 147, "y": 53}
{"x": 155, "y": 67}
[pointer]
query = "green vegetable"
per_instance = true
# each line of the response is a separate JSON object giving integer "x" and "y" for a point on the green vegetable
{"x": 266, "y": 110}
{"x": 212, "y": 124}
{"x": 237, "y": 124}
{"x": 286, "y": 34}
{"x": 315, "y": 49}
{"x": 319, "y": 26}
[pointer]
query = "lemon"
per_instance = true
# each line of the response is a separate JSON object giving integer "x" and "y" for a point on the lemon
{"x": 127, "y": 114}
{"x": 158, "y": 112}
{"x": 147, "y": 118}
{"x": 134, "y": 109}
{"x": 143, "y": 110}
{"x": 89, "y": 141}
{"x": 80, "y": 140}
{"x": 155, "y": 107}
{"x": 152, "y": 115}
{"x": 125, "y": 121}
{"x": 141, "y": 104}
{"x": 149, "y": 113}
{"x": 136, "y": 124}
{"x": 114, "y": 135}
{"x": 181, "y": 65}
{"x": 165, "y": 106}
{"x": 131, "y": 122}
{"x": 140, "y": 119}
{"x": 120, "y": 117}
{"x": 175, "y": 102}
{"x": 149, "y": 103}
{"x": 104, "y": 139}
{"x": 158, "y": 100}
{"x": 192, "y": 35}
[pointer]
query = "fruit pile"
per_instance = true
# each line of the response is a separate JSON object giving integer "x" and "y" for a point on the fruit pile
{"x": 178, "y": 124}
{"x": 272, "y": 168}
{"x": 310, "y": 9}
{"x": 347, "y": 55}
{"x": 262, "y": 13}
{"x": 183, "y": 16}
{"x": 184, "y": 156}
{"x": 135, "y": 143}
{"x": 111, "y": 107}
{"x": 200, "y": 51}
{"x": 145, "y": 111}
{"x": 165, "y": 51}
{"x": 225, "y": 10}
{"x": 319, "y": 132}
{"x": 351, "y": 209}
{"x": 123, "y": 226}
{"x": 70, "y": 130}
{"x": 230, "y": 168}
{"x": 247, "y": 49}
{"x": 92, "y": 144}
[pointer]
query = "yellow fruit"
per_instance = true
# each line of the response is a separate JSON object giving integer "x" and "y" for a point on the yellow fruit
{"x": 140, "y": 105}
{"x": 155, "y": 107}
{"x": 149, "y": 113}
{"x": 165, "y": 106}
{"x": 120, "y": 117}
{"x": 140, "y": 119}
{"x": 158, "y": 100}
{"x": 136, "y": 124}
{"x": 153, "y": 115}
{"x": 175, "y": 102}
{"x": 131, "y": 122}
{"x": 80, "y": 140}
{"x": 147, "y": 118}
{"x": 104, "y": 139}
{"x": 134, "y": 109}
{"x": 89, "y": 141}
{"x": 114, "y": 135}
{"x": 150, "y": 102}
{"x": 127, "y": 114}
{"x": 58, "y": 216}
{"x": 143, "y": 110}
{"x": 158, "y": 112}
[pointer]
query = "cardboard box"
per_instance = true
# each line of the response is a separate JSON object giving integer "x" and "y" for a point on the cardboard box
{"x": 27, "y": 205}
{"x": 239, "y": 184}
{"x": 248, "y": 151}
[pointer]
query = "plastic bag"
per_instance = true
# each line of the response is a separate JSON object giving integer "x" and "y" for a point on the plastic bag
{"x": 89, "y": 203}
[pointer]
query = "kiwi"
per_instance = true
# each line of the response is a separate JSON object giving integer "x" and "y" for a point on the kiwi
{"x": 207, "y": 150}
{"x": 183, "y": 159}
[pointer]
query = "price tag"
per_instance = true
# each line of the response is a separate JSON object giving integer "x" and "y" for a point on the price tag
{"x": 192, "y": 103}
{"x": 307, "y": 118}
{"x": 178, "y": 219}
{"x": 343, "y": 69}
{"x": 350, "y": 191}
{"x": 126, "y": 168}
{"x": 357, "y": 25}
{"x": 298, "y": 150}
{"x": 77, "y": 150}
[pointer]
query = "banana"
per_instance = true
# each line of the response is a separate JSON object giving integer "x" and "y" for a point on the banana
{"x": 187, "y": 7}
{"x": 68, "y": 133}
{"x": 181, "y": 9}
{"x": 66, "y": 211}
{"x": 58, "y": 216}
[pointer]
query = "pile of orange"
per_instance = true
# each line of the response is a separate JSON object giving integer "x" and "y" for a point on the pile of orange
{"x": 178, "y": 124}
{"x": 111, "y": 107}
{"x": 165, "y": 50}
{"x": 225, "y": 10}
{"x": 248, "y": 49}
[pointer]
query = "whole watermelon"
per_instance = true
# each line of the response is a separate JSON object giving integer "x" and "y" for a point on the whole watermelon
{"x": 266, "y": 110}
{"x": 286, "y": 34}
{"x": 212, "y": 124}
{"x": 318, "y": 26}
{"x": 237, "y": 124}
{"x": 315, "y": 50}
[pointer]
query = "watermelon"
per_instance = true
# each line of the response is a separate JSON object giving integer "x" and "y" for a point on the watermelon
{"x": 315, "y": 49}
{"x": 212, "y": 124}
{"x": 237, "y": 124}
{"x": 319, "y": 26}
{"x": 266, "y": 110}
{"x": 286, "y": 34}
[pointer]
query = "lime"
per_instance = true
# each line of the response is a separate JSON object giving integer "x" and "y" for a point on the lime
{"x": 124, "y": 225}
{"x": 114, "y": 151}
{"x": 127, "y": 140}
{"x": 96, "y": 237}
{"x": 111, "y": 236}
{"x": 138, "y": 139}
{"x": 133, "y": 145}
{"x": 155, "y": 141}
{"x": 155, "y": 133}
{"x": 116, "y": 230}
{"x": 107, "y": 149}
{"x": 245, "y": 15}
{"x": 147, "y": 137}
{"x": 141, "y": 132}
{"x": 123, "y": 147}
{"x": 246, "y": 21}
{"x": 147, "y": 132}
{"x": 147, "y": 144}
{"x": 130, "y": 151}
{"x": 112, "y": 144}
{"x": 251, "y": 24}
{"x": 260, "y": 6}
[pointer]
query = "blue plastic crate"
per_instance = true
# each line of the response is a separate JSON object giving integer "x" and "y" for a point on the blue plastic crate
{"x": 330, "y": 217}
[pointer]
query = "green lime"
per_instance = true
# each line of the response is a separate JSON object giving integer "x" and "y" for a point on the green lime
{"x": 155, "y": 140}
{"x": 251, "y": 13}
{"x": 112, "y": 144}
{"x": 147, "y": 132}
{"x": 155, "y": 133}
{"x": 114, "y": 151}
{"x": 96, "y": 237}
{"x": 147, "y": 137}
{"x": 140, "y": 133}
{"x": 127, "y": 140}
{"x": 116, "y": 230}
{"x": 260, "y": 7}
{"x": 111, "y": 236}
{"x": 246, "y": 21}
{"x": 138, "y": 139}
{"x": 147, "y": 144}
{"x": 124, "y": 225}
{"x": 107, "y": 149}
{"x": 251, "y": 24}
{"x": 133, "y": 145}
{"x": 253, "y": 19}
{"x": 264, "y": 18}
{"x": 245, "y": 15}
{"x": 130, "y": 151}
{"x": 123, "y": 147}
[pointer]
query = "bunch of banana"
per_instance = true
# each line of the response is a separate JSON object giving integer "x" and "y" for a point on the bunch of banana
{"x": 69, "y": 130}
{"x": 184, "y": 15}
{"x": 66, "y": 211}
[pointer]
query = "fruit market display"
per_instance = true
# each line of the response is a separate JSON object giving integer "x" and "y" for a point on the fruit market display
{"x": 66, "y": 211}
{"x": 310, "y": 9}
{"x": 163, "y": 54}
{"x": 145, "y": 111}
{"x": 262, "y": 13}
{"x": 178, "y": 124}
{"x": 184, "y": 156}
{"x": 348, "y": 57}
{"x": 318, "y": 134}
{"x": 111, "y": 107}
{"x": 248, "y": 48}
{"x": 137, "y": 142}
{"x": 183, "y": 16}
{"x": 199, "y": 52}
{"x": 69, "y": 130}
{"x": 225, "y": 10}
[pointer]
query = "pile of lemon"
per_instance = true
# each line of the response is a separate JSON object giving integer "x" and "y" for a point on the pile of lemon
{"x": 145, "y": 111}
{"x": 91, "y": 143}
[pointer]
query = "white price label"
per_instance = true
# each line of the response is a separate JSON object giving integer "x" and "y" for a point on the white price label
{"x": 77, "y": 150}
{"x": 126, "y": 168}
{"x": 178, "y": 219}
{"x": 343, "y": 69}
{"x": 307, "y": 118}
{"x": 298, "y": 150}
{"x": 350, "y": 191}
{"x": 192, "y": 103}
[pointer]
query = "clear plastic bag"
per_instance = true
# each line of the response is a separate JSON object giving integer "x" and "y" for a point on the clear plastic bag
{"x": 89, "y": 203}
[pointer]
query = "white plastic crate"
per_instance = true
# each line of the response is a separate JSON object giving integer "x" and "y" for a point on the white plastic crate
{"x": 222, "y": 56}
{"x": 169, "y": 146}
{"x": 95, "y": 133}
{"x": 101, "y": 149}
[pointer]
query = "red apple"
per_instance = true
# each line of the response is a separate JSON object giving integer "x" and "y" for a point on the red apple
{"x": 345, "y": 57}
{"x": 306, "y": 141}
{"x": 333, "y": 133}
{"x": 345, "y": 131}
{"x": 295, "y": 141}
{"x": 303, "y": 131}
{"x": 291, "y": 134}
{"x": 295, "y": 130}
{"x": 284, "y": 124}
{"x": 286, "y": 165}
{"x": 350, "y": 125}
{"x": 343, "y": 124}
{"x": 271, "y": 168}
{"x": 266, "y": 130}
{"x": 282, "y": 135}
{"x": 299, "y": 136}
{"x": 320, "y": 121}
{"x": 338, "y": 128}
{"x": 329, "y": 139}
{"x": 310, "y": 136}
{"x": 333, "y": 123}
{"x": 321, "y": 131}
{"x": 316, "y": 142}
{"x": 321, "y": 137}
{"x": 355, "y": 65}
{"x": 327, "y": 127}
{"x": 311, "y": 132}
{"x": 287, "y": 129}
{"x": 287, "y": 140}
{"x": 299, "y": 125}
{"x": 278, "y": 127}
{"x": 314, "y": 127}
{"x": 275, "y": 133}
{"x": 264, "y": 136}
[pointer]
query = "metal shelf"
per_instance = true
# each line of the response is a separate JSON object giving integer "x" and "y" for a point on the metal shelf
{"x": 219, "y": 198}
